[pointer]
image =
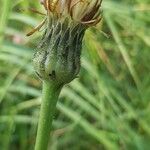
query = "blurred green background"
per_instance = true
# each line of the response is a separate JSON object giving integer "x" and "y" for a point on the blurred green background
{"x": 106, "y": 108}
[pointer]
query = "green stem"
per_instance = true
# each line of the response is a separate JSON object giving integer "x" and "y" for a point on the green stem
{"x": 49, "y": 99}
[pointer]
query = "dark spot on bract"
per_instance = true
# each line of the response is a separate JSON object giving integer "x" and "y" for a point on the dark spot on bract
{"x": 53, "y": 74}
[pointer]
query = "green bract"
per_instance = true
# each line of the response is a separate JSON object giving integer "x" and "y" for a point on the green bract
{"x": 58, "y": 54}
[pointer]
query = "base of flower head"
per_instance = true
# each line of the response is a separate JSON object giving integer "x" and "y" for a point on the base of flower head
{"x": 58, "y": 55}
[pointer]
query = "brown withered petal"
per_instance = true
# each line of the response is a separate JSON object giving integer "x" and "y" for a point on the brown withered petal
{"x": 82, "y": 11}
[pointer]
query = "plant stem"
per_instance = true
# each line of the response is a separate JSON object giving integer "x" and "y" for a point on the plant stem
{"x": 50, "y": 95}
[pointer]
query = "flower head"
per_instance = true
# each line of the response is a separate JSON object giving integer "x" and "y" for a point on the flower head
{"x": 57, "y": 58}
{"x": 83, "y": 11}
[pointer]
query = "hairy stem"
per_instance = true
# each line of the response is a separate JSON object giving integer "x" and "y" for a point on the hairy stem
{"x": 49, "y": 99}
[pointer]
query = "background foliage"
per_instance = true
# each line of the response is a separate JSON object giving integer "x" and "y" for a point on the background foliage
{"x": 106, "y": 108}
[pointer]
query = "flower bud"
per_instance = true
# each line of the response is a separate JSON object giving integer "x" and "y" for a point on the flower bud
{"x": 57, "y": 57}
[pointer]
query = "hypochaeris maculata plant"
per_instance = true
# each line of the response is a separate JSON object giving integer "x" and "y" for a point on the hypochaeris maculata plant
{"x": 57, "y": 58}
